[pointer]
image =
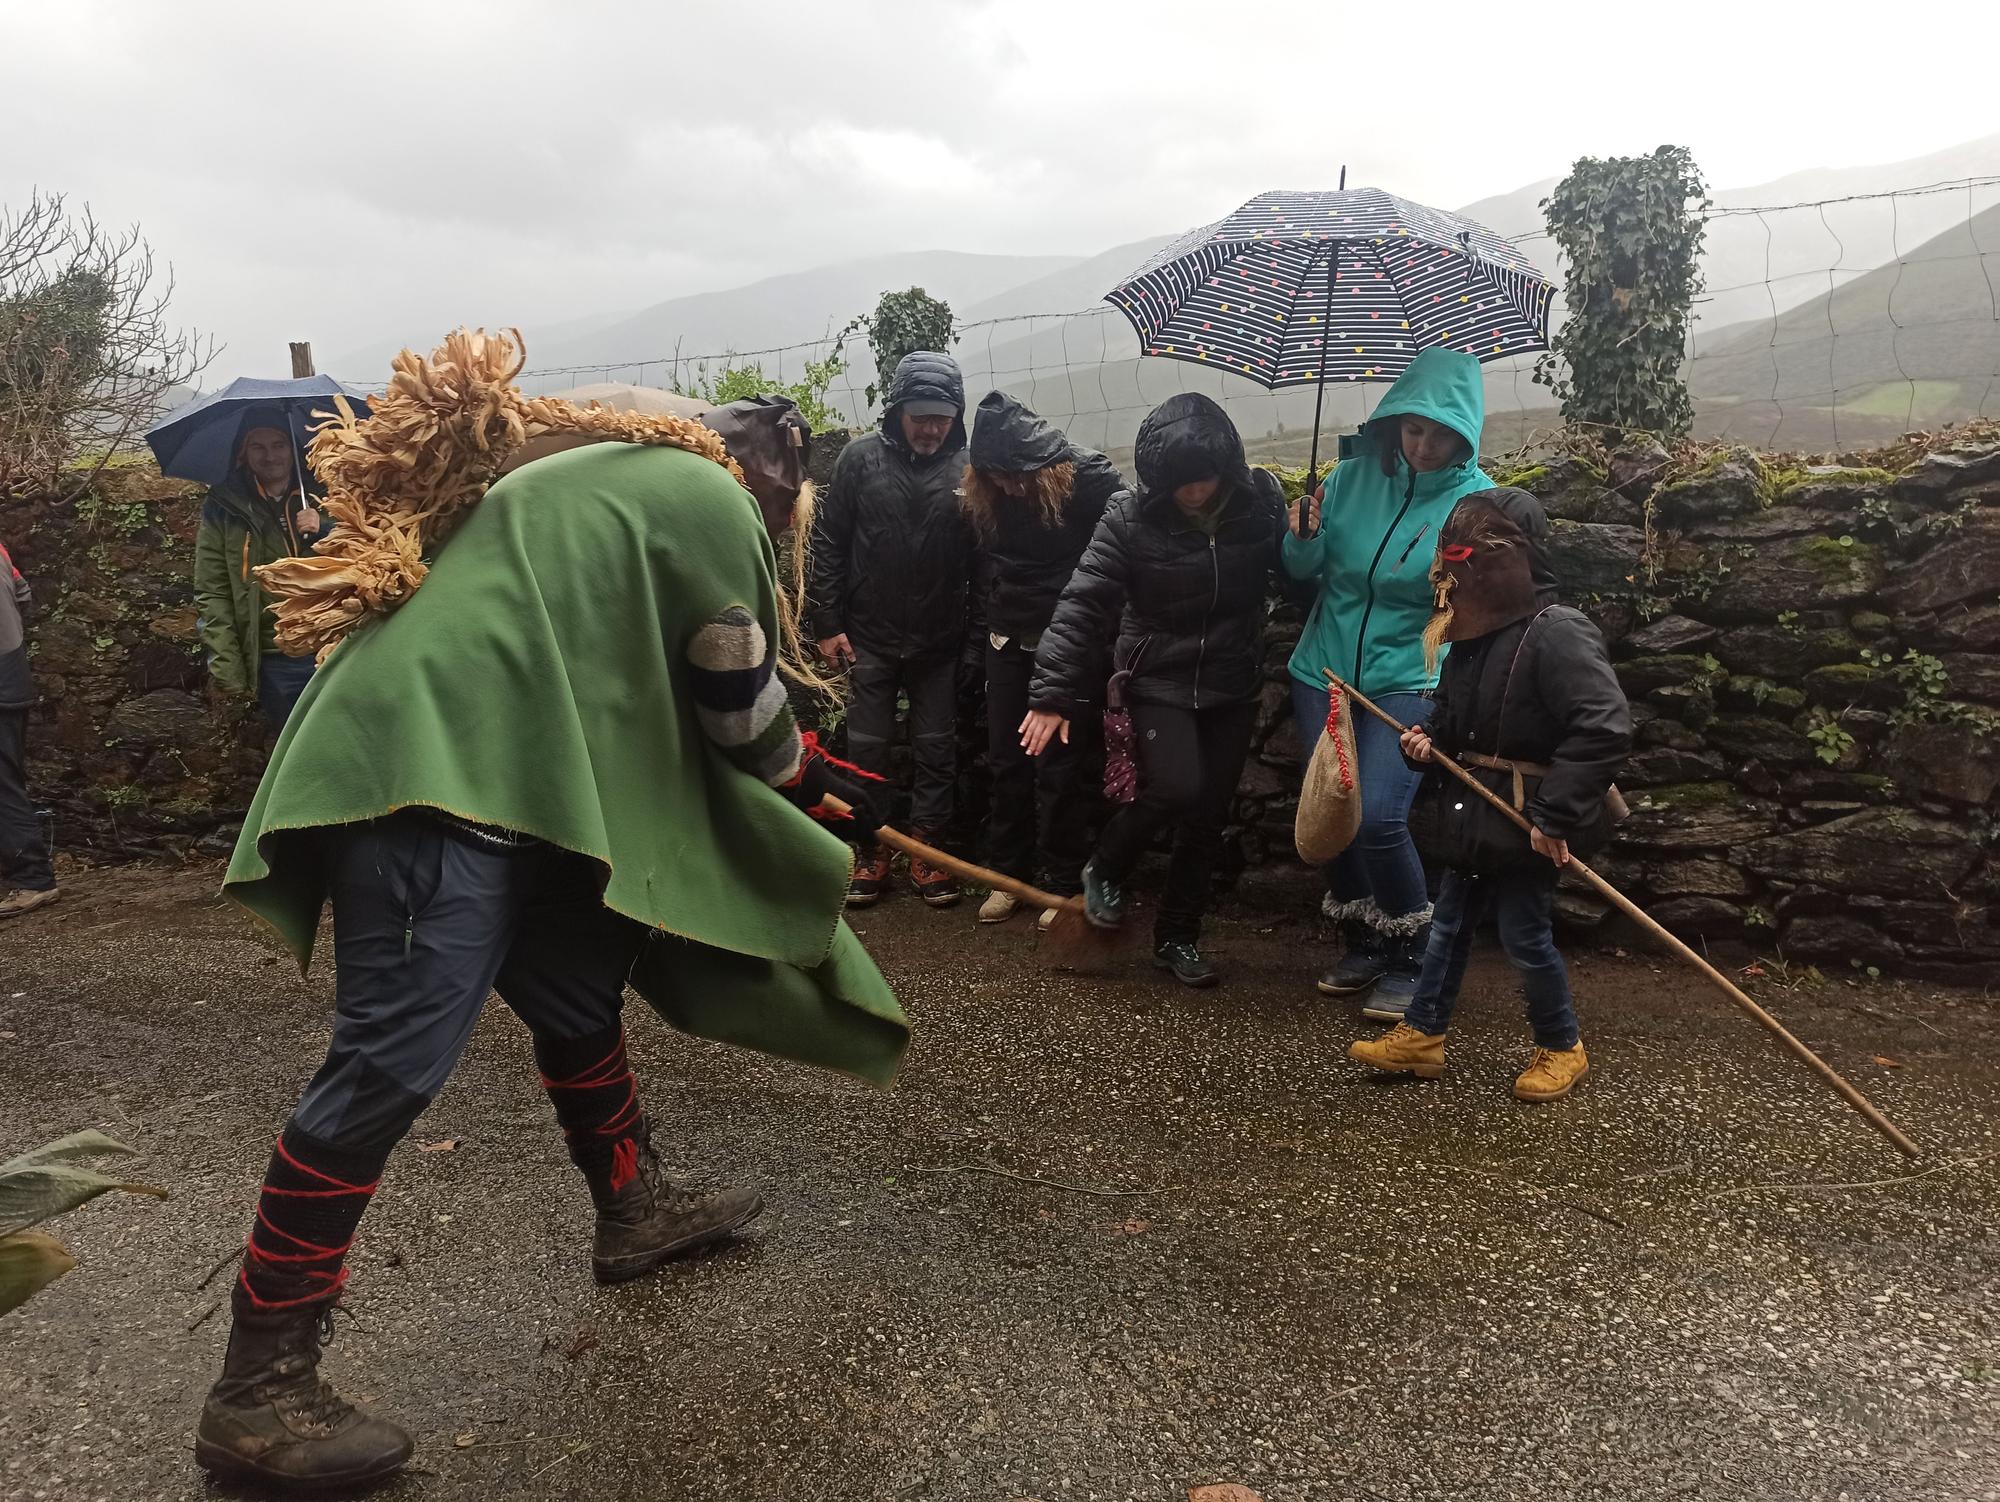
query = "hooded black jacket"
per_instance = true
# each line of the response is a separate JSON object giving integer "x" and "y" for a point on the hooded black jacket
{"x": 1540, "y": 689}
{"x": 891, "y": 551}
{"x": 1192, "y": 628}
{"x": 1024, "y": 565}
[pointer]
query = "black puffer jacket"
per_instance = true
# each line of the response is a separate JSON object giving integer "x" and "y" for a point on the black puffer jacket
{"x": 1192, "y": 629}
{"x": 891, "y": 551}
{"x": 1540, "y": 690}
{"x": 1023, "y": 565}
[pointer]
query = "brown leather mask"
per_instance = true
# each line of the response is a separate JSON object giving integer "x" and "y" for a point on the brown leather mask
{"x": 773, "y": 444}
{"x": 1483, "y": 574}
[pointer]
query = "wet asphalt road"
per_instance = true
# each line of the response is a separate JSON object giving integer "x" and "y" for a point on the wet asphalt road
{"x": 1286, "y": 1275}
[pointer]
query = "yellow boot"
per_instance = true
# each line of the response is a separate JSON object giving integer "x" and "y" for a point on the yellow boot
{"x": 1401, "y": 1050}
{"x": 1552, "y": 1073}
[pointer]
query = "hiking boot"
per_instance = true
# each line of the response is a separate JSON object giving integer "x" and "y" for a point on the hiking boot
{"x": 643, "y": 1221}
{"x": 1103, "y": 899}
{"x": 936, "y": 887}
{"x": 1361, "y": 966}
{"x": 270, "y": 1418}
{"x": 998, "y": 907}
{"x": 871, "y": 875}
{"x": 1401, "y": 1050}
{"x": 26, "y": 900}
{"x": 1185, "y": 961}
{"x": 1552, "y": 1073}
{"x": 1396, "y": 988}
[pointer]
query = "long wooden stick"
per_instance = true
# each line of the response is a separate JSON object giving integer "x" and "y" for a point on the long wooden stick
{"x": 1632, "y": 910}
{"x": 895, "y": 839}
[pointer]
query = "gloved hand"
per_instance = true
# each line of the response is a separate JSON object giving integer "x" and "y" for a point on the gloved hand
{"x": 816, "y": 780}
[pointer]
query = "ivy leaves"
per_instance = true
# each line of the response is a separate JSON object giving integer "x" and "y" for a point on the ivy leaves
{"x": 1633, "y": 248}
{"x": 902, "y": 324}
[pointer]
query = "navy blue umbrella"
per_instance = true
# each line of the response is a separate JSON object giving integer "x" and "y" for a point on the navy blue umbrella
{"x": 1298, "y": 289}
{"x": 201, "y": 440}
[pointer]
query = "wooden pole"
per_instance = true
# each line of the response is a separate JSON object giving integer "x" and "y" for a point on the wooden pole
{"x": 302, "y": 359}
{"x": 1632, "y": 910}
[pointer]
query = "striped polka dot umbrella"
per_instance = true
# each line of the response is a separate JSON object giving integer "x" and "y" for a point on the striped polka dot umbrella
{"x": 1298, "y": 289}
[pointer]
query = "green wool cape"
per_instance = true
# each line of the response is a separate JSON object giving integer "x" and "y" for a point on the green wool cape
{"x": 538, "y": 681}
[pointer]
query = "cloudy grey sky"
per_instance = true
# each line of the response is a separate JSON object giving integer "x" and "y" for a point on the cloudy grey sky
{"x": 359, "y": 171}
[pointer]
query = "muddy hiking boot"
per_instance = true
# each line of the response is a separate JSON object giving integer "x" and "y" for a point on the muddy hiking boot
{"x": 1186, "y": 962}
{"x": 271, "y": 1418}
{"x": 23, "y": 900}
{"x": 998, "y": 907}
{"x": 871, "y": 876}
{"x": 937, "y": 888}
{"x": 643, "y": 1221}
{"x": 1103, "y": 898}
{"x": 1361, "y": 966}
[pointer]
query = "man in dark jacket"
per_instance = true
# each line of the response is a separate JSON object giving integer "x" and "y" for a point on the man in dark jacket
{"x": 1529, "y": 702}
{"x": 1034, "y": 499}
{"x": 27, "y": 880}
{"x": 257, "y": 516}
{"x": 891, "y": 559}
{"x": 1185, "y": 570}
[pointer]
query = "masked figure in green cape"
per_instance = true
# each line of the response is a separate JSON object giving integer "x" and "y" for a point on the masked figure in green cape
{"x": 564, "y": 763}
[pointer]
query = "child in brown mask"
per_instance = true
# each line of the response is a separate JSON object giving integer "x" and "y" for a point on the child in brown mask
{"x": 1528, "y": 702}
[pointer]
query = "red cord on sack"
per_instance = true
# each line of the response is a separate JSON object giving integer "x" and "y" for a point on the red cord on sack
{"x": 1339, "y": 745}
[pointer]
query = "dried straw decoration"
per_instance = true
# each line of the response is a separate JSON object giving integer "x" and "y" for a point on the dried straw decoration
{"x": 399, "y": 480}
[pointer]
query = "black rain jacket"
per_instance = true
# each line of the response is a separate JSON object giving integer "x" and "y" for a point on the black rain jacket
{"x": 1023, "y": 567}
{"x": 1193, "y": 605}
{"x": 892, "y": 552}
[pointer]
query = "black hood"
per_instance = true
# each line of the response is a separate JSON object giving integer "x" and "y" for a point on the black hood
{"x": 1186, "y": 438}
{"x": 1527, "y": 515}
{"x": 1008, "y": 436}
{"x": 926, "y": 375}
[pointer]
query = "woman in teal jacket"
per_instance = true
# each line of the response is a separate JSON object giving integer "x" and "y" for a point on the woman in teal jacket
{"x": 1367, "y": 543}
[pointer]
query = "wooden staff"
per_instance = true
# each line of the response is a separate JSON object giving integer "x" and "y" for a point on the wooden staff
{"x": 1632, "y": 910}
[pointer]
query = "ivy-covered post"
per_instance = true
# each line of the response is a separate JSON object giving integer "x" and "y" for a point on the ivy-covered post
{"x": 1631, "y": 230}
{"x": 903, "y": 323}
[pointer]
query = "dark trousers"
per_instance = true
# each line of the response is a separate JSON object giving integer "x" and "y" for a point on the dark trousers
{"x": 1190, "y": 761}
{"x": 24, "y": 851}
{"x": 1523, "y": 904}
{"x": 426, "y": 922}
{"x": 1039, "y": 803}
{"x": 932, "y": 686}
{"x": 280, "y": 681}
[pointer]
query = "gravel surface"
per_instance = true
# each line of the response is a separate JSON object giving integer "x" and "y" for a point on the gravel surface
{"x": 1244, "y": 1261}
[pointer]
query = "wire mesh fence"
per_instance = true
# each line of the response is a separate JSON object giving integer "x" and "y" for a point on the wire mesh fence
{"x": 1824, "y": 325}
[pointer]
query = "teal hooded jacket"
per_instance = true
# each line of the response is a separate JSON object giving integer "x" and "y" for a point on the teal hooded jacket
{"x": 1371, "y": 557}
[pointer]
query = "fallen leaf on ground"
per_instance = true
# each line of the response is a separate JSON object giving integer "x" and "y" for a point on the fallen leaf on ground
{"x": 464, "y": 1441}
{"x": 1888, "y": 1063}
{"x": 1752, "y": 972}
{"x": 1132, "y": 1227}
{"x": 586, "y": 1340}
{"x": 1223, "y": 1491}
{"x": 449, "y": 1145}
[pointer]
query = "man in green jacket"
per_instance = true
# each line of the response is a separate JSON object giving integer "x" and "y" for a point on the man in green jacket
{"x": 260, "y": 514}
{"x": 565, "y": 763}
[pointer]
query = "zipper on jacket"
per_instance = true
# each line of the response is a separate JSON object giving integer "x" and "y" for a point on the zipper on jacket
{"x": 1361, "y": 634}
{"x": 1410, "y": 548}
{"x": 1214, "y": 599}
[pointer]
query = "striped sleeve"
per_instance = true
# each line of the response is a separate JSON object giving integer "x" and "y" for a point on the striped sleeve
{"x": 739, "y": 698}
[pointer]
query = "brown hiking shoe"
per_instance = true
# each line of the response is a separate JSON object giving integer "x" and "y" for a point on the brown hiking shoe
{"x": 271, "y": 1419}
{"x": 936, "y": 887}
{"x": 998, "y": 907}
{"x": 643, "y": 1221}
{"x": 871, "y": 876}
{"x": 24, "y": 900}
{"x": 1552, "y": 1073}
{"x": 1401, "y": 1050}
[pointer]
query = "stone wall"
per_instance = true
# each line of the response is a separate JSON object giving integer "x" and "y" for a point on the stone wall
{"x": 1813, "y": 658}
{"x": 124, "y": 748}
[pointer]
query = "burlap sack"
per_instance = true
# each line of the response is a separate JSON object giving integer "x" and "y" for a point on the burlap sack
{"x": 1330, "y": 804}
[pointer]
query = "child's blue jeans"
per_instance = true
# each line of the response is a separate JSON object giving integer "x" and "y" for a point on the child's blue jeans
{"x": 1523, "y": 904}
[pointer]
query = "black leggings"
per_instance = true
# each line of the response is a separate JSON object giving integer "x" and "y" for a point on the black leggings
{"x": 1190, "y": 761}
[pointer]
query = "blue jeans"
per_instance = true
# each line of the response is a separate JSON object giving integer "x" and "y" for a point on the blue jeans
{"x": 1522, "y": 902}
{"x": 280, "y": 681}
{"x": 1382, "y": 863}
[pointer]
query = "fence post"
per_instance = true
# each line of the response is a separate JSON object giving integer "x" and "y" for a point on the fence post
{"x": 302, "y": 359}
